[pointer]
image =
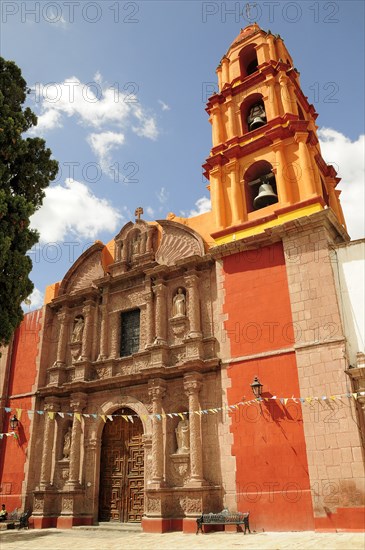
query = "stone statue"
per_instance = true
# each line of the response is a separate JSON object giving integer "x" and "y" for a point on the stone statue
{"x": 67, "y": 445}
{"x": 136, "y": 244}
{"x": 183, "y": 437}
{"x": 178, "y": 307}
{"x": 78, "y": 330}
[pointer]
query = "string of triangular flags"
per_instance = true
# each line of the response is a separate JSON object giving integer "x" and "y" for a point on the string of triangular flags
{"x": 8, "y": 434}
{"x": 212, "y": 410}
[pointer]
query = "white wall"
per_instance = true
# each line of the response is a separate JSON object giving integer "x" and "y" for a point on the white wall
{"x": 349, "y": 269}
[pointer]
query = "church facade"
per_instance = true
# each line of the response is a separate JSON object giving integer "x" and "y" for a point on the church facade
{"x": 196, "y": 364}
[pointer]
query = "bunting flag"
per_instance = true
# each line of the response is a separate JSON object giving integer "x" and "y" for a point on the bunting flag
{"x": 310, "y": 400}
{"x": 8, "y": 434}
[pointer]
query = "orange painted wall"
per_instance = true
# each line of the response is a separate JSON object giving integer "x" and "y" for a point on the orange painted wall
{"x": 272, "y": 479}
{"x": 22, "y": 378}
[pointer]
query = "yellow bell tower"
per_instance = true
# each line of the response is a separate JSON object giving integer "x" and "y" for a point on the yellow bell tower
{"x": 265, "y": 166}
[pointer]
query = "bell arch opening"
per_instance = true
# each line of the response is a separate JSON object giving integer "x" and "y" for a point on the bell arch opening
{"x": 121, "y": 493}
{"x": 260, "y": 186}
{"x": 253, "y": 113}
{"x": 248, "y": 60}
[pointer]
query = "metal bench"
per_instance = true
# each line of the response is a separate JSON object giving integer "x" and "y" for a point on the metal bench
{"x": 225, "y": 517}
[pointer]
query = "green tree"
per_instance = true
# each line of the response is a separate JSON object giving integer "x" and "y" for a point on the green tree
{"x": 26, "y": 168}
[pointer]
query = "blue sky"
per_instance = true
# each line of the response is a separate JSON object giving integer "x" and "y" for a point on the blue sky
{"x": 120, "y": 90}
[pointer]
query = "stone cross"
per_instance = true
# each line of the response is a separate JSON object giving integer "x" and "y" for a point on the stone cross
{"x": 138, "y": 213}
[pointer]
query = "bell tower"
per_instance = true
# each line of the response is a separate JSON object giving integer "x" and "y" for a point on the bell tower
{"x": 265, "y": 166}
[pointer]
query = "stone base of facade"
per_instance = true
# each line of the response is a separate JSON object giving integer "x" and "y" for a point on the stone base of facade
{"x": 344, "y": 520}
{"x": 60, "y": 522}
{"x": 165, "y": 525}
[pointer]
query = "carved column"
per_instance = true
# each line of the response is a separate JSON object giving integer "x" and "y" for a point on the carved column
{"x": 192, "y": 281}
{"x": 157, "y": 390}
{"x": 217, "y": 126}
{"x": 92, "y": 451}
{"x": 88, "y": 313}
{"x": 150, "y": 321}
{"x": 51, "y": 406}
{"x": 192, "y": 386}
{"x": 78, "y": 403}
{"x": 62, "y": 338}
{"x": 283, "y": 186}
{"x": 285, "y": 95}
{"x": 236, "y": 193}
{"x": 231, "y": 119}
{"x": 114, "y": 330}
{"x": 103, "y": 353}
{"x": 161, "y": 312}
{"x": 307, "y": 181}
{"x": 271, "y": 104}
{"x": 272, "y": 52}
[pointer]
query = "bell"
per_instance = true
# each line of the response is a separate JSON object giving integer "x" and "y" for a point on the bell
{"x": 265, "y": 197}
{"x": 257, "y": 123}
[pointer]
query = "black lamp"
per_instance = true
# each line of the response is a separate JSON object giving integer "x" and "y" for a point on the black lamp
{"x": 14, "y": 422}
{"x": 256, "y": 387}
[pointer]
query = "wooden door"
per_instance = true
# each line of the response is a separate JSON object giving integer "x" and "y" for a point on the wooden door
{"x": 122, "y": 470}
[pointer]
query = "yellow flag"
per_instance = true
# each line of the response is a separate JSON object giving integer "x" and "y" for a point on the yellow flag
{"x": 103, "y": 417}
{"x": 125, "y": 417}
{"x": 51, "y": 415}
{"x": 78, "y": 416}
{"x": 308, "y": 399}
{"x": 19, "y": 413}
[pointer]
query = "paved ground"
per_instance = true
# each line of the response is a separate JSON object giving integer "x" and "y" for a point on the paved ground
{"x": 94, "y": 539}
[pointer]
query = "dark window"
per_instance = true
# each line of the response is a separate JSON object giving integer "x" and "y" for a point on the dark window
{"x": 129, "y": 342}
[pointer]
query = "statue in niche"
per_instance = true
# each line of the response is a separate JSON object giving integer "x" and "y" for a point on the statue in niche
{"x": 136, "y": 244}
{"x": 67, "y": 445}
{"x": 182, "y": 432}
{"x": 178, "y": 304}
{"x": 78, "y": 330}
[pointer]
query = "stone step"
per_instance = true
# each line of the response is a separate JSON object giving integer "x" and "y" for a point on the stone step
{"x": 112, "y": 526}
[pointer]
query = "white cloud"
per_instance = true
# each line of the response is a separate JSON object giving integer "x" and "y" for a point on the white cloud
{"x": 48, "y": 121}
{"x": 162, "y": 195}
{"x": 73, "y": 210}
{"x": 103, "y": 144}
{"x": 150, "y": 212}
{"x": 348, "y": 158}
{"x": 147, "y": 127}
{"x": 94, "y": 105}
{"x": 98, "y": 77}
{"x": 202, "y": 205}
{"x": 164, "y": 105}
{"x": 34, "y": 301}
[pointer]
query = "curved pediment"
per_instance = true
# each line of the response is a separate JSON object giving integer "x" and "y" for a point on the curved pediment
{"x": 178, "y": 241}
{"x": 87, "y": 268}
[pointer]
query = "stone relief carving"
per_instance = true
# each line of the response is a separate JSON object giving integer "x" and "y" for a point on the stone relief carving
{"x": 38, "y": 504}
{"x": 103, "y": 372}
{"x": 190, "y": 505}
{"x": 178, "y": 241}
{"x": 84, "y": 271}
{"x": 153, "y": 504}
{"x": 67, "y": 504}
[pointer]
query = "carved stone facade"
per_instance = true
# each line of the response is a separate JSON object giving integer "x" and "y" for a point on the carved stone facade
{"x": 87, "y": 380}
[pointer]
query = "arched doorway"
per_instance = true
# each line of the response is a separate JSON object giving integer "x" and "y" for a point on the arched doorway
{"x": 122, "y": 469}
